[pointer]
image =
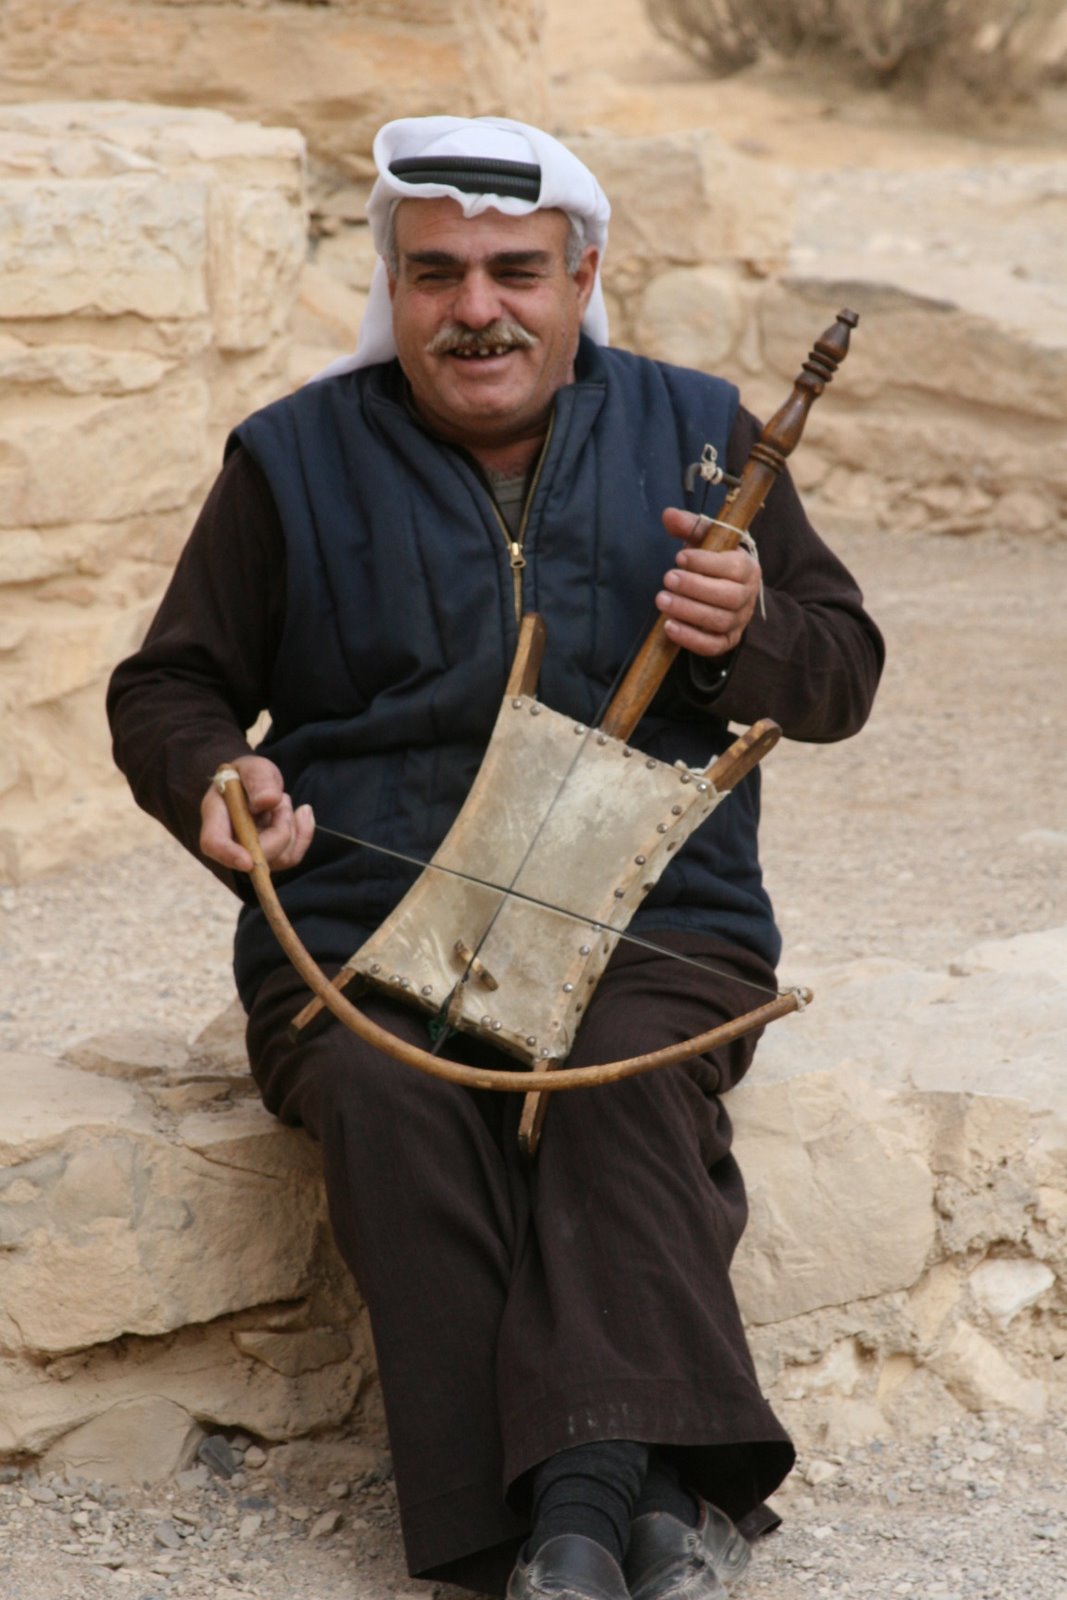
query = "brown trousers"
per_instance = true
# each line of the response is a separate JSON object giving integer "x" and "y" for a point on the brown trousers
{"x": 518, "y": 1309}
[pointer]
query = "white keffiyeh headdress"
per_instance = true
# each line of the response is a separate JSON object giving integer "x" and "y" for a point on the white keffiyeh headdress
{"x": 483, "y": 163}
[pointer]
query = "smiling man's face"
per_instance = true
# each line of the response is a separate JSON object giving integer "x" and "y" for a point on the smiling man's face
{"x": 486, "y": 318}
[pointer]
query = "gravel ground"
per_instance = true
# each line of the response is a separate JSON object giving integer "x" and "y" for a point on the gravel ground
{"x": 943, "y": 824}
{"x": 976, "y": 1512}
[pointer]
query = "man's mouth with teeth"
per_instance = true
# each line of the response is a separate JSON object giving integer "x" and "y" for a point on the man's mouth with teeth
{"x": 481, "y": 353}
{"x": 485, "y": 344}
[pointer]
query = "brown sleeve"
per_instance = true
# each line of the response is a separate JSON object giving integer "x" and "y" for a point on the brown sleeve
{"x": 813, "y": 663}
{"x": 180, "y": 706}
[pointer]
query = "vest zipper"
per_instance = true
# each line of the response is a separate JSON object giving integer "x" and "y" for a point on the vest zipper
{"x": 516, "y": 553}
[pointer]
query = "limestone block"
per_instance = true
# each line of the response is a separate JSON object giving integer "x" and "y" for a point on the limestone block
{"x": 79, "y": 368}
{"x": 65, "y": 654}
{"x": 825, "y": 1162}
{"x": 328, "y": 312}
{"x": 1003, "y": 1286}
{"x": 204, "y": 1230}
{"x": 956, "y": 372}
{"x": 26, "y": 557}
{"x": 335, "y": 71}
{"x": 934, "y": 1299}
{"x": 129, "y": 1053}
{"x": 689, "y": 199}
{"x": 691, "y": 316}
{"x": 348, "y": 257}
{"x": 966, "y": 1065}
{"x": 128, "y": 1230}
{"x": 132, "y": 1443}
{"x": 982, "y": 1379}
{"x": 42, "y": 1104}
{"x": 254, "y": 260}
{"x": 135, "y": 244}
{"x": 197, "y": 1370}
{"x": 293, "y": 1353}
{"x": 119, "y": 456}
{"x": 993, "y": 1039}
{"x": 925, "y": 230}
{"x": 149, "y": 260}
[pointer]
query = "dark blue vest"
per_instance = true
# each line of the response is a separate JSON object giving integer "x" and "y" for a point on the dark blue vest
{"x": 400, "y": 629}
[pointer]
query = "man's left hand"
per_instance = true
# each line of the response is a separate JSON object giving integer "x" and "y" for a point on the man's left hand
{"x": 708, "y": 596}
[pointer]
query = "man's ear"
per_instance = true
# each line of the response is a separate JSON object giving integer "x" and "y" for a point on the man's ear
{"x": 585, "y": 275}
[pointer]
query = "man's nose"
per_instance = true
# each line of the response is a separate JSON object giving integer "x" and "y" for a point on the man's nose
{"x": 477, "y": 301}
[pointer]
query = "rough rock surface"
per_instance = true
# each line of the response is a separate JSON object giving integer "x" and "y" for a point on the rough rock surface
{"x": 149, "y": 260}
{"x": 166, "y": 1260}
{"x": 336, "y": 69}
{"x": 905, "y": 1149}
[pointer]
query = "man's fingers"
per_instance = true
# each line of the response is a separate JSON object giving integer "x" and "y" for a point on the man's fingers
{"x": 719, "y": 594}
{"x": 284, "y": 835}
{"x": 216, "y": 835}
{"x": 701, "y": 640}
{"x": 682, "y": 524}
{"x": 708, "y": 599}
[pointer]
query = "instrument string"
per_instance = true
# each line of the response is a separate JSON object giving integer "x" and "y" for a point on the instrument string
{"x": 546, "y": 905}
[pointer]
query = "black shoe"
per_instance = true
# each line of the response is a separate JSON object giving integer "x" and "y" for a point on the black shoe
{"x": 568, "y": 1567}
{"x": 669, "y": 1561}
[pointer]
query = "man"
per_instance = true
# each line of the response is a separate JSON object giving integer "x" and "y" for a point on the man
{"x": 569, "y": 1393}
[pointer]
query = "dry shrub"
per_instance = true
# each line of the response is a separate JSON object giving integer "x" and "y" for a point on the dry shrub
{"x": 985, "y": 47}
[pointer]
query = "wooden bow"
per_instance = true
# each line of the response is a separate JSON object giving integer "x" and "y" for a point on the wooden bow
{"x": 635, "y": 693}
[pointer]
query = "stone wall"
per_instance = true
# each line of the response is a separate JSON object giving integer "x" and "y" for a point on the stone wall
{"x": 165, "y": 1266}
{"x": 947, "y": 414}
{"x": 335, "y": 69}
{"x": 149, "y": 262}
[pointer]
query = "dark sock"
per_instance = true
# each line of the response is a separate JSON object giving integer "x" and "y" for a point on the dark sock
{"x": 590, "y": 1489}
{"x": 663, "y": 1491}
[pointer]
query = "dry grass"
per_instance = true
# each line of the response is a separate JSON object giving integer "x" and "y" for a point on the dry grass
{"x": 981, "y": 48}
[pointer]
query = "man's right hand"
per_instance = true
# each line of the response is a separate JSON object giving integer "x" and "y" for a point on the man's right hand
{"x": 284, "y": 834}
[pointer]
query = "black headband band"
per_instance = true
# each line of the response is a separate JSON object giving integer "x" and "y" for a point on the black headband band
{"x": 517, "y": 180}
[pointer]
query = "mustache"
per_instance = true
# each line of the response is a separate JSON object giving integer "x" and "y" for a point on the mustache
{"x": 494, "y": 339}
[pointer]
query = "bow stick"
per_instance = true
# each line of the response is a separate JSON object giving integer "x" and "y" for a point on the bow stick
{"x": 228, "y": 782}
{"x": 627, "y": 707}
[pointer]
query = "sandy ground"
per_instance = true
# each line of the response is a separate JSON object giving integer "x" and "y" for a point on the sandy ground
{"x": 944, "y": 823}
